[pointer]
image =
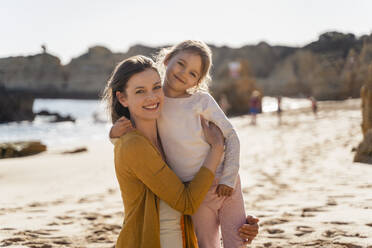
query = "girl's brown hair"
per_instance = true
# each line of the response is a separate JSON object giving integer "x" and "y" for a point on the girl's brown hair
{"x": 192, "y": 46}
{"x": 119, "y": 80}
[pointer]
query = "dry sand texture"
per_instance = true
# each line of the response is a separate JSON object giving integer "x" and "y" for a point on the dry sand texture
{"x": 298, "y": 178}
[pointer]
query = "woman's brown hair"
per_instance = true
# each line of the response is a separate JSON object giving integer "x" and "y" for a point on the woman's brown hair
{"x": 118, "y": 82}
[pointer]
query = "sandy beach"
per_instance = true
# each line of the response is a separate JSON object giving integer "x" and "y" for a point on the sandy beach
{"x": 298, "y": 178}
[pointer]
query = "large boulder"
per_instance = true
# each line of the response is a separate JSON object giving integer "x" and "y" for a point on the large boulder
{"x": 21, "y": 149}
{"x": 15, "y": 106}
{"x": 364, "y": 150}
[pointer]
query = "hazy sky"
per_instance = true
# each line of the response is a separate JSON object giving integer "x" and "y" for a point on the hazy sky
{"x": 69, "y": 27}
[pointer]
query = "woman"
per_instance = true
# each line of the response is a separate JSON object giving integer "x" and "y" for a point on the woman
{"x": 134, "y": 91}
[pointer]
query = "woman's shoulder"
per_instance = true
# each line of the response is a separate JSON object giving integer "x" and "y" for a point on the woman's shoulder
{"x": 131, "y": 142}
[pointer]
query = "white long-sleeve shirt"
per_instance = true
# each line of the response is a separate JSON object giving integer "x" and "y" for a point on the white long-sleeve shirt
{"x": 183, "y": 139}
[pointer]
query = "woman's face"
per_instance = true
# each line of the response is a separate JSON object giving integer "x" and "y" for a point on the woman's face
{"x": 144, "y": 95}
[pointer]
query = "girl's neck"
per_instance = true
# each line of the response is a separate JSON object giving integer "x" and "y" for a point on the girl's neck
{"x": 148, "y": 129}
{"x": 168, "y": 92}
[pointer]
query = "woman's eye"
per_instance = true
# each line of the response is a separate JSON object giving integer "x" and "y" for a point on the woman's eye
{"x": 157, "y": 87}
{"x": 139, "y": 91}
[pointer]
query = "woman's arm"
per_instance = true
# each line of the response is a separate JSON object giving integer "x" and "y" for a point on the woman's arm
{"x": 137, "y": 155}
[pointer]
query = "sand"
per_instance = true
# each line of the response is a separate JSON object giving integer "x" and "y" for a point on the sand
{"x": 298, "y": 178}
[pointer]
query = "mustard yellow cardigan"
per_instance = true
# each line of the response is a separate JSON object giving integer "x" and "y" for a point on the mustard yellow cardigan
{"x": 144, "y": 178}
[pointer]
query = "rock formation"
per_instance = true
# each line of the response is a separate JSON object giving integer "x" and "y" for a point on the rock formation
{"x": 15, "y": 106}
{"x": 364, "y": 150}
{"x": 34, "y": 74}
{"x": 236, "y": 85}
{"x": 21, "y": 149}
{"x": 332, "y": 68}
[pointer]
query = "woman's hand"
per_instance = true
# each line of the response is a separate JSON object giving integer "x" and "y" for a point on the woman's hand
{"x": 212, "y": 133}
{"x": 250, "y": 230}
{"x": 121, "y": 127}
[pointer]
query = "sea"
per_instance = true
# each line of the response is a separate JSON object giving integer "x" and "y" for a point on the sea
{"x": 92, "y": 122}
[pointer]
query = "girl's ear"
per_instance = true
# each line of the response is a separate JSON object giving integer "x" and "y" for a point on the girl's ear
{"x": 122, "y": 98}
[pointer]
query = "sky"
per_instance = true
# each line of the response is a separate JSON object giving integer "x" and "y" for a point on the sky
{"x": 69, "y": 27}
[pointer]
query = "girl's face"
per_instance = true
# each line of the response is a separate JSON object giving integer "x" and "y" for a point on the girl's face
{"x": 183, "y": 71}
{"x": 144, "y": 95}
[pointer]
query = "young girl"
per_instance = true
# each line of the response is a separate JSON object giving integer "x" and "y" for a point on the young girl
{"x": 185, "y": 84}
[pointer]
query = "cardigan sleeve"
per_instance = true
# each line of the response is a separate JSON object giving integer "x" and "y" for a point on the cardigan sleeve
{"x": 212, "y": 112}
{"x": 139, "y": 157}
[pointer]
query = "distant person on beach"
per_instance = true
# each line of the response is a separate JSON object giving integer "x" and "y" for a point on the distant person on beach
{"x": 187, "y": 66}
{"x": 314, "y": 105}
{"x": 254, "y": 106}
{"x": 279, "y": 109}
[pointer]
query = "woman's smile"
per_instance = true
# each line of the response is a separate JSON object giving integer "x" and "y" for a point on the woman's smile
{"x": 152, "y": 107}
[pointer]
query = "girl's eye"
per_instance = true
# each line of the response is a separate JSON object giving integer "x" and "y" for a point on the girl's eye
{"x": 193, "y": 74}
{"x": 139, "y": 91}
{"x": 180, "y": 63}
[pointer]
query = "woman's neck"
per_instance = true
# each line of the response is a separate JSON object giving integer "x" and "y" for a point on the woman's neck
{"x": 148, "y": 129}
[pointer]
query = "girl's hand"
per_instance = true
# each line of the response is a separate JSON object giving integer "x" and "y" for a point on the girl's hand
{"x": 223, "y": 190}
{"x": 121, "y": 127}
{"x": 212, "y": 133}
{"x": 250, "y": 230}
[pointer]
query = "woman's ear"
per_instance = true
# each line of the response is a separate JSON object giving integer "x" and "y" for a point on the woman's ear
{"x": 122, "y": 98}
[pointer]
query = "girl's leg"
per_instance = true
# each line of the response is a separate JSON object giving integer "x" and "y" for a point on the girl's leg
{"x": 206, "y": 221}
{"x": 232, "y": 217}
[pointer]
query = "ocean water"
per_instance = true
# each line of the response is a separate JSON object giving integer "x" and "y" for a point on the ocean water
{"x": 62, "y": 133}
{"x": 86, "y": 128}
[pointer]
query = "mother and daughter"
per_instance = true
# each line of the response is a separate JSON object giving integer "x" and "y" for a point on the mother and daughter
{"x": 177, "y": 158}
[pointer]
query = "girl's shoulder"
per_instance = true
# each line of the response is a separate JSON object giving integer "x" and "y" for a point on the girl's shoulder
{"x": 202, "y": 97}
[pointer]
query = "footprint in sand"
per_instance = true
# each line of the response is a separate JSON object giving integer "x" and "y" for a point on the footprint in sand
{"x": 103, "y": 233}
{"x": 12, "y": 241}
{"x": 308, "y": 212}
{"x": 274, "y": 230}
{"x": 273, "y": 222}
{"x": 338, "y": 223}
{"x": 302, "y": 230}
{"x": 348, "y": 245}
{"x": 331, "y": 202}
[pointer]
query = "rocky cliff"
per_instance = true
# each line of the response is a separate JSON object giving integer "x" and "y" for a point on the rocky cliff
{"x": 333, "y": 67}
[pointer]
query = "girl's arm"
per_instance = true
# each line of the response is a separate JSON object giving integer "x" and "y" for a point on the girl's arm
{"x": 212, "y": 112}
{"x": 120, "y": 127}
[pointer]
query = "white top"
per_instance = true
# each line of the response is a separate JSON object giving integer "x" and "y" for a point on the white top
{"x": 183, "y": 139}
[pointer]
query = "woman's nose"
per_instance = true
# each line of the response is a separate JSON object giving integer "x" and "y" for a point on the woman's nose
{"x": 151, "y": 96}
